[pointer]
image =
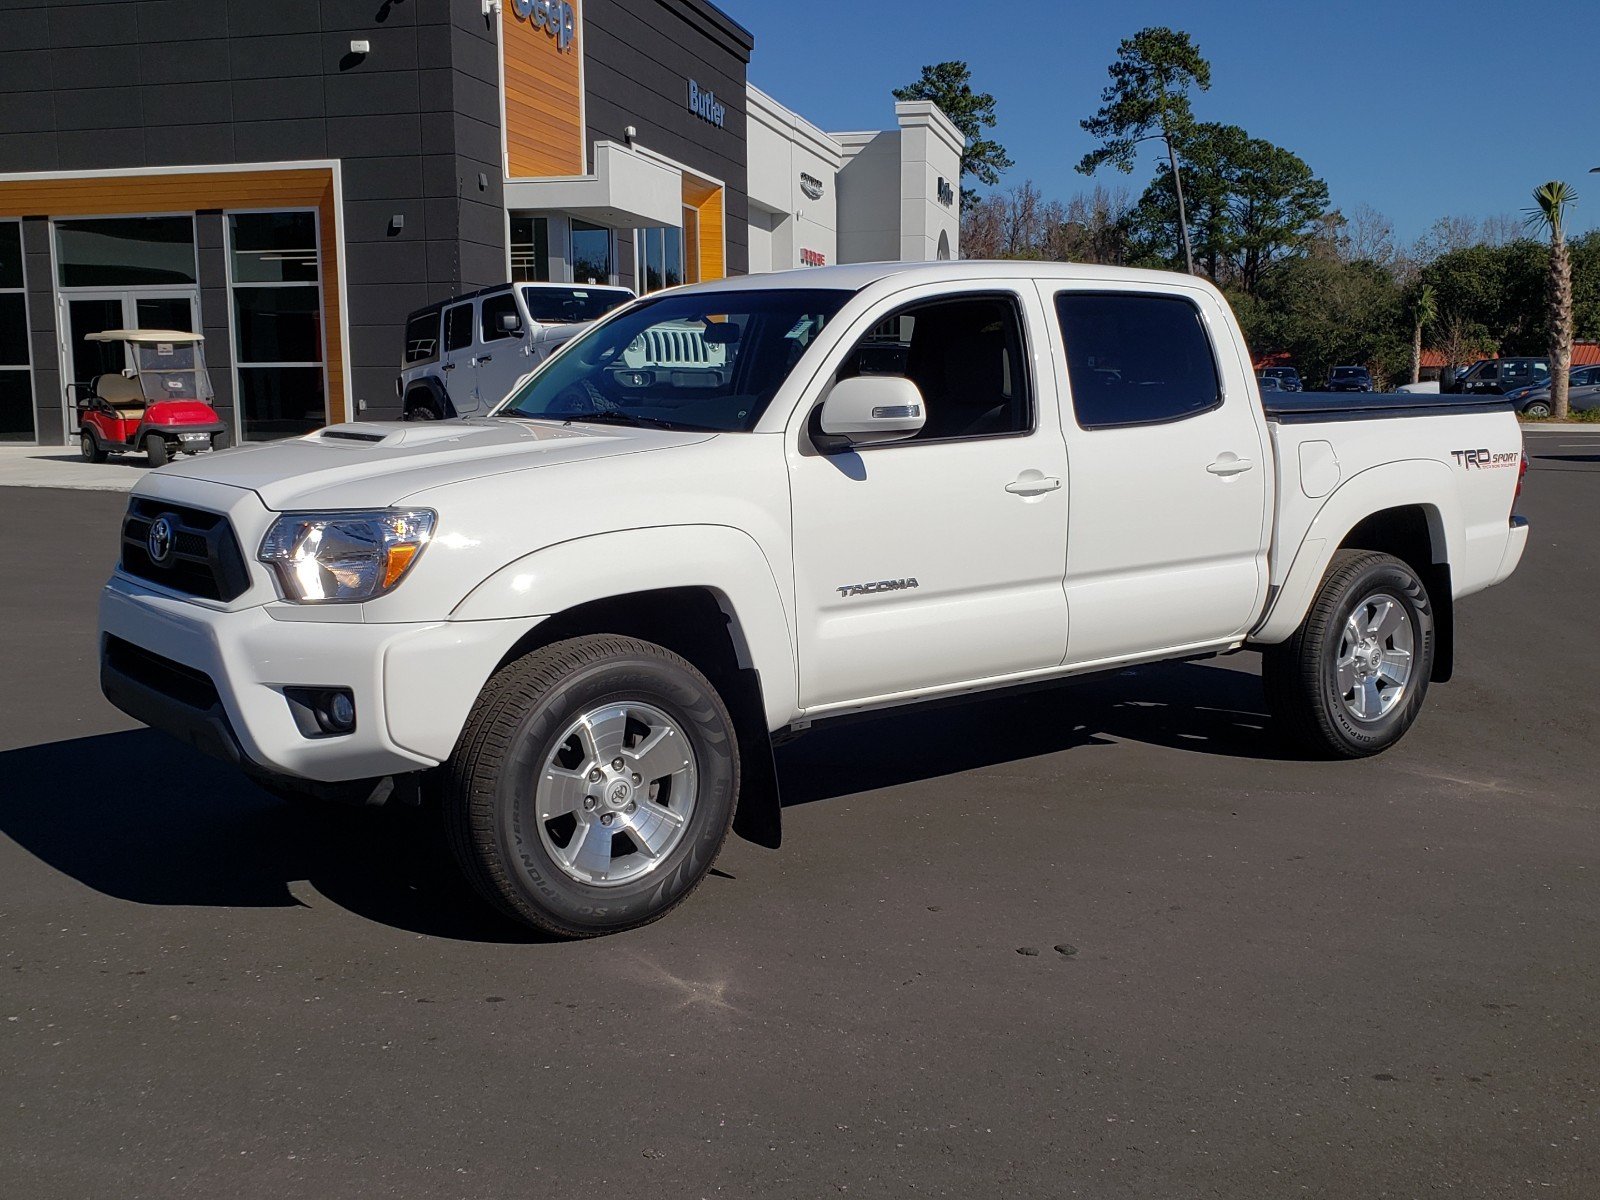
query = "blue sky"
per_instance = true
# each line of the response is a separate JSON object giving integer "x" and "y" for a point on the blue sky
{"x": 1419, "y": 108}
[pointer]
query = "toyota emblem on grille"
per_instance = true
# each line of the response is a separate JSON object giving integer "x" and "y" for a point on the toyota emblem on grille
{"x": 159, "y": 541}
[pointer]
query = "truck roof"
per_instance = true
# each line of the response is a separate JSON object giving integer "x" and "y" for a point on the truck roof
{"x": 855, "y": 276}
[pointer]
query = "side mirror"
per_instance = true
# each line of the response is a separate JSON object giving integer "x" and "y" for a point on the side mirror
{"x": 510, "y": 323}
{"x": 868, "y": 409}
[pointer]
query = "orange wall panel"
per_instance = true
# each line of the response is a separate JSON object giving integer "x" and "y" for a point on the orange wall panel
{"x": 707, "y": 202}
{"x": 543, "y": 96}
{"x": 310, "y": 187}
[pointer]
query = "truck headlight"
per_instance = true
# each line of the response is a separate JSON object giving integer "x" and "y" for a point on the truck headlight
{"x": 344, "y": 557}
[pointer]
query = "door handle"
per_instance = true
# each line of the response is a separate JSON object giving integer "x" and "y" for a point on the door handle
{"x": 1230, "y": 464}
{"x": 1032, "y": 483}
{"x": 447, "y": 367}
{"x": 483, "y": 358}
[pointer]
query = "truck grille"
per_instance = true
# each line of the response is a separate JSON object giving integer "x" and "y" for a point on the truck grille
{"x": 204, "y": 559}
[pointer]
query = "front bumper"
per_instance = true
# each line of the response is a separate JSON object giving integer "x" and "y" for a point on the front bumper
{"x": 216, "y": 679}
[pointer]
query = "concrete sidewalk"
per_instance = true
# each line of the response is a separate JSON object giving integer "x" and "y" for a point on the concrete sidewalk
{"x": 63, "y": 467}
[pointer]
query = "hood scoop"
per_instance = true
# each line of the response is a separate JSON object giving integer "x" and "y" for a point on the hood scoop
{"x": 393, "y": 433}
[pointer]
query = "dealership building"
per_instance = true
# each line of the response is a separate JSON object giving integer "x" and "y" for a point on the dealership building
{"x": 292, "y": 178}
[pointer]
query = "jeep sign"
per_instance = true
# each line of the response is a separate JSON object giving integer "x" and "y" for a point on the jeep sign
{"x": 556, "y": 17}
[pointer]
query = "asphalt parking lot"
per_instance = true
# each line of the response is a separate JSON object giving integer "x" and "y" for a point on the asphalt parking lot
{"x": 1279, "y": 977}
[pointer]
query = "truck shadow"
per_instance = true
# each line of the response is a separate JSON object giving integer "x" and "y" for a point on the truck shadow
{"x": 144, "y": 819}
{"x": 1203, "y": 708}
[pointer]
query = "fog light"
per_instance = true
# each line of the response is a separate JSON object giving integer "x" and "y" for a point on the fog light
{"x": 322, "y": 711}
{"x": 341, "y": 712}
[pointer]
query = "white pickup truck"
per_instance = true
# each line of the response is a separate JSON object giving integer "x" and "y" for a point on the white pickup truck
{"x": 580, "y": 620}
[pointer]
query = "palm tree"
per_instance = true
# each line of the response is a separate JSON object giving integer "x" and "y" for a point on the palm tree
{"x": 1551, "y": 201}
{"x": 1424, "y": 311}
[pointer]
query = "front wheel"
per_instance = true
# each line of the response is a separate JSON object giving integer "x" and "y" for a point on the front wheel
{"x": 1351, "y": 679}
{"x": 1537, "y": 408}
{"x": 155, "y": 449}
{"x": 593, "y": 785}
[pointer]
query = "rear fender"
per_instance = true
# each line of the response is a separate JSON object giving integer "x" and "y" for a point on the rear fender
{"x": 723, "y": 560}
{"x": 1427, "y": 483}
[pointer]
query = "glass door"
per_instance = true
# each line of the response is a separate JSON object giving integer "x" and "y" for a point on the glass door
{"x": 95, "y": 312}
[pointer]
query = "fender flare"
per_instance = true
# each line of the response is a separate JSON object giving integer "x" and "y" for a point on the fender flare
{"x": 435, "y": 389}
{"x": 721, "y": 559}
{"x": 1425, "y": 483}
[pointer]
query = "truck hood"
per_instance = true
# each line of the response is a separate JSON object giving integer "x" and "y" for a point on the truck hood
{"x": 376, "y": 463}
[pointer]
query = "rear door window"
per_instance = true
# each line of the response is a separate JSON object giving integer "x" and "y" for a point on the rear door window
{"x": 1136, "y": 359}
{"x": 457, "y": 327}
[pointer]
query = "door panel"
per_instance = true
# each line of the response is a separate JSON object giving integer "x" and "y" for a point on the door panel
{"x": 1169, "y": 480}
{"x": 458, "y": 358}
{"x": 915, "y": 567}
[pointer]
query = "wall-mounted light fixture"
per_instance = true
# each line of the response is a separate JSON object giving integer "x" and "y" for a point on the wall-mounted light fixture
{"x": 360, "y": 46}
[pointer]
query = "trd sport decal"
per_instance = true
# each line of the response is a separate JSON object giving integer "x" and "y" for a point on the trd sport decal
{"x": 883, "y": 585}
{"x": 1485, "y": 459}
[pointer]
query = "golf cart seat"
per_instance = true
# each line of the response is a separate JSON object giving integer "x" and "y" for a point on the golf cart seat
{"x": 122, "y": 393}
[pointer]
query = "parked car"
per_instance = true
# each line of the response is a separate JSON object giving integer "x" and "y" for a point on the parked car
{"x": 1583, "y": 393}
{"x": 1496, "y": 376}
{"x": 1349, "y": 379}
{"x": 159, "y": 407}
{"x": 578, "y": 622}
{"x": 1268, "y": 383}
{"x": 464, "y": 354}
{"x": 1427, "y": 387}
{"x": 1288, "y": 378}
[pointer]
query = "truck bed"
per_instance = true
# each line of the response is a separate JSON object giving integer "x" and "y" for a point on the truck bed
{"x": 1305, "y": 407}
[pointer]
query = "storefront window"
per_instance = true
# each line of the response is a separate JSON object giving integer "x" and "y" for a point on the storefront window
{"x": 530, "y": 249}
{"x": 115, "y": 252}
{"x": 277, "y": 323}
{"x": 591, "y": 253}
{"x": 16, "y": 385}
{"x": 660, "y": 258}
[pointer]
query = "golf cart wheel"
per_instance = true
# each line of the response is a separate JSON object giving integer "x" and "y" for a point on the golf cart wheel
{"x": 89, "y": 445}
{"x": 1351, "y": 679}
{"x": 219, "y": 441}
{"x": 1537, "y": 408}
{"x": 593, "y": 785}
{"x": 155, "y": 449}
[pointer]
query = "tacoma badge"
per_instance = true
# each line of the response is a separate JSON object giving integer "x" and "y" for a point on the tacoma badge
{"x": 883, "y": 585}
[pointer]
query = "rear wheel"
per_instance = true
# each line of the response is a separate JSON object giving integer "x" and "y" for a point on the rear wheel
{"x": 1351, "y": 680}
{"x": 89, "y": 446}
{"x": 155, "y": 449}
{"x": 1537, "y": 408}
{"x": 423, "y": 409}
{"x": 593, "y": 785}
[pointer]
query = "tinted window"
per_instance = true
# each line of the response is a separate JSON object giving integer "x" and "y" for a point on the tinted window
{"x": 965, "y": 356}
{"x": 1136, "y": 360}
{"x": 458, "y": 327}
{"x": 491, "y": 311}
{"x": 422, "y": 337}
{"x": 702, "y": 360}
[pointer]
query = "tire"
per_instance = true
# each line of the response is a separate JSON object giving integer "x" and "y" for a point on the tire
{"x": 1537, "y": 408}
{"x": 155, "y": 449}
{"x": 219, "y": 441}
{"x": 89, "y": 446}
{"x": 527, "y": 831}
{"x": 1305, "y": 676}
{"x": 423, "y": 410}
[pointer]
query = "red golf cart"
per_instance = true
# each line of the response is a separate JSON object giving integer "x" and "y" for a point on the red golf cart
{"x": 160, "y": 406}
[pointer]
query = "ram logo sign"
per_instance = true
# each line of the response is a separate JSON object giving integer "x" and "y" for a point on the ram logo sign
{"x": 556, "y": 17}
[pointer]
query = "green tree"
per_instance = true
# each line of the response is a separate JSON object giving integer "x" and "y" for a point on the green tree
{"x": 1551, "y": 201}
{"x": 1148, "y": 97}
{"x": 949, "y": 85}
{"x": 1324, "y": 313}
{"x": 1424, "y": 306}
{"x": 1252, "y": 204}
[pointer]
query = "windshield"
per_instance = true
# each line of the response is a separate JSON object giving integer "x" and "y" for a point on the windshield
{"x": 1349, "y": 372}
{"x": 171, "y": 371}
{"x": 568, "y": 306}
{"x": 697, "y": 360}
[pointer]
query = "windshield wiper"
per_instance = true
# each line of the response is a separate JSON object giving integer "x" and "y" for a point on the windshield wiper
{"x": 617, "y": 416}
